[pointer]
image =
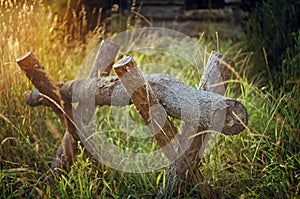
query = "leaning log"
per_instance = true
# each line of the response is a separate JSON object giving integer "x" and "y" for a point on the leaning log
{"x": 102, "y": 66}
{"x": 147, "y": 105}
{"x": 186, "y": 168}
{"x": 179, "y": 100}
{"x": 52, "y": 97}
{"x": 104, "y": 59}
{"x": 43, "y": 82}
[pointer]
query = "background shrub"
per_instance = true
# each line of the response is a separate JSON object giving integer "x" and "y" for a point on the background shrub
{"x": 272, "y": 33}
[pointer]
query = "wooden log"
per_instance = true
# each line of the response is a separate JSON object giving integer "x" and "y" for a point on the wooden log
{"x": 52, "y": 97}
{"x": 147, "y": 104}
{"x": 195, "y": 107}
{"x": 218, "y": 71}
{"x": 66, "y": 152}
{"x": 104, "y": 59}
{"x": 179, "y": 100}
{"x": 186, "y": 168}
{"x": 43, "y": 82}
{"x": 101, "y": 68}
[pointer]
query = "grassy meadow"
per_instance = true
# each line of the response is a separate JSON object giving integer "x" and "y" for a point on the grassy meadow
{"x": 261, "y": 162}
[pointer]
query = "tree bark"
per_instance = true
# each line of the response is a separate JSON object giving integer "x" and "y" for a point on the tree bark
{"x": 101, "y": 68}
{"x": 52, "y": 97}
{"x": 186, "y": 168}
{"x": 147, "y": 105}
{"x": 197, "y": 108}
{"x": 104, "y": 59}
{"x": 56, "y": 100}
{"x": 179, "y": 100}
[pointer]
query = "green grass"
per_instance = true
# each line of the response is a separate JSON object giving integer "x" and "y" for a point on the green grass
{"x": 271, "y": 28}
{"x": 261, "y": 162}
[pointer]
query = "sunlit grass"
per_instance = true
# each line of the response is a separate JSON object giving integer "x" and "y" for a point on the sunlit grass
{"x": 261, "y": 162}
{"x": 27, "y": 146}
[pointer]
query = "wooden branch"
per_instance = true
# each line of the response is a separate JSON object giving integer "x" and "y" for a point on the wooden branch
{"x": 66, "y": 152}
{"x": 186, "y": 168}
{"x": 154, "y": 96}
{"x": 104, "y": 59}
{"x": 147, "y": 104}
{"x": 43, "y": 82}
{"x": 52, "y": 97}
{"x": 102, "y": 67}
{"x": 195, "y": 107}
{"x": 48, "y": 93}
{"x": 179, "y": 100}
{"x": 217, "y": 72}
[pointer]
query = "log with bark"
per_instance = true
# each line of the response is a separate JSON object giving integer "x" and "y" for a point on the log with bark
{"x": 147, "y": 105}
{"x": 51, "y": 96}
{"x": 199, "y": 109}
{"x": 180, "y": 101}
{"x": 185, "y": 171}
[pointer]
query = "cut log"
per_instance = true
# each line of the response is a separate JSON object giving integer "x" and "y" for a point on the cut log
{"x": 155, "y": 96}
{"x": 186, "y": 168}
{"x": 179, "y": 100}
{"x": 52, "y": 97}
{"x": 43, "y": 82}
{"x": 218, "y": 71}
{"x": 101, "y": 68}
{"x": 104, "y": 59}
{"x": 147, "y": 105}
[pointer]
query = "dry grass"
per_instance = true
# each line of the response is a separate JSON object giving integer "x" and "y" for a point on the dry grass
{"x": 262, "y": 162}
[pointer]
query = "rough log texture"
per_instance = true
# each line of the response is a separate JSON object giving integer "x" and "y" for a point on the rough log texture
{"x": 101, "y": 68}
{"x": 56, "y": 100}
{"x": 147, "y": 104}
{"x": 179, "y": 100}
{"x": 104, "y": 59}
{"x": 217, "y": 72}
{"x": 43, "y": 82}
{"x": 186, "y": 168}
{"x": 155, "y": 96}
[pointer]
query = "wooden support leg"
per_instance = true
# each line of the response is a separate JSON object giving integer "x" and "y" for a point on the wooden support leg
{"x": 49, "y": 94}
{"x": 104, "y": 60}
{"x": 147, "y": 104}
{"x": 186, "y": 168}
{"x": 52, "y": 97}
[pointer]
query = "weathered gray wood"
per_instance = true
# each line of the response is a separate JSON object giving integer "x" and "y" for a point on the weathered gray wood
{"x": 186, "y": 167}
{"x": 104, "y": 59}
{"x": 101, "y": 68}
{"x": 218, "y": 70}
{"x": 197, "y": 108}
{"x": 179, "y": 100}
